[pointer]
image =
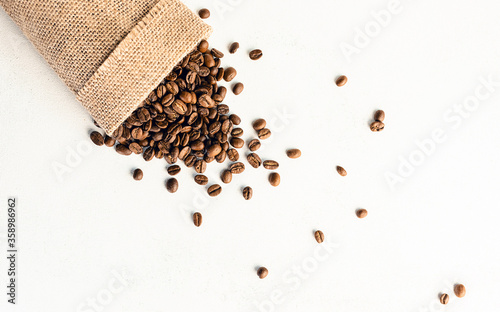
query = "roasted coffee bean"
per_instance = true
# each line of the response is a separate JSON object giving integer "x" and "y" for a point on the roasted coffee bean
{"x": 293, "y": 153}
{"x": 203, "y": 46}
{"x": 172, "y": 185}
{"x": 341, "y": 171}
{"x": 341, "y": 81}
{"x": 444, "y": 298}
{"x": 204, "y": 13}
{"x": 197, "y": 219}
{"x": 262, "y": 272}
{"x": 254, "y": 145}
{"x": 138, "y": 174}
{"x": 97, "y": 138}
{"x": 226, "y": 176}
{"x": 123, "y": 150}
{"x": 174, "y": 170}
{"x": 201, "y": 179}
{"x": 247, "y": 193}
{"x": 320, "y": 237}
{"x": 214, "y": 150}
{"x": 235, "y": 119}
{"x": 237, "y": 168}
{"x": 109, "y": 141}
{"x": 255, "y": 54}
{"x": 271, "y": 164}
{"x": 227, "y": 126}
{"x": 189, "y": 161}
{"x": 234, "y": 47}
{"x": 361, "y": 213}
{"x": 148, "y": 154}
{"x": 237, "y": 142}
{"x": 377, "y": 126}
{"x": 379, "y": 115}
{"x": 274, "y": 179}
{"x": 135, "y": 148}
{"x": 197, "y": 145}
{"x": 217, "y": 54}
{"x": 254, "y": 160}
{"x": 221, "y": 157}
{"x": 200, "y": 166}
{"x": 264, "y": 134}
{"x": 259, "y": 124}
{"x": 237, "y": 132}
{"x": 233, "y": 154}
{"x": 459, "y": 290}
{"x": 238, "y": 88}
{"x": 214, "y": 190}
{"x": 229, "y": 74}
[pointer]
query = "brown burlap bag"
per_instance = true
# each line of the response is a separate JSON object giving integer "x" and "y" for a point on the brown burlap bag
{"x": 111, "y": 53}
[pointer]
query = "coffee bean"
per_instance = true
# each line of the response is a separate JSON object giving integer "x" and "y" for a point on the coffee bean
{"x": 214, "y": 190}
{"x": 174, "y": 170}
{"x": 138, "y": 174}
{"x": 237, "y": 168}
{"x": 97, "y": 138}
{"x": 197, "y": 219}
{"x": 172, "y": 185}
{"x": 235, "y": 119}
{"x": 237, "y": 142}
{"x": 201, "y": 179}
{"x": 229, "y": 74}
{"x": 203, "y": 46}
{"x": 200, "y": 166}
{"x": 264, "y": 134}
{"x": 148, "y": 154}
{"x": 271, "y": 164}
{"x": 341, "y": 171}
{"x": 204, "y": 13}
{"x": 226, "y": 176}
{"x": 444, "y": 298}
{"x": 214, "y": 150}
{"x": 234, "y": 47}
{"x": 259, "y": 124}
{"x": 135, "y": 148}
{"x": 217, "y": 54}
{"x": 262, "y": 272}
{"x": 237, "y": 132}
{"x": 233, "y": 155}
{"x": 293, "y": 153}
{"x": 274, "y": 179}
{"x": 361, "y": 213}
{"x": 255, "y": 54}
{"x": 109, "y": 141}
{"x": 247, "y": 193}
{"x": 221, "y": 157}
{"x": 123, "y": 150}
{"x": 377, "y": 126}
{"x": 254, "y": 160}
{"x": 459, "y": 290}
{"x": 379, "y": 115}
{"x": 238, "y": 88}
{"x": 341, "y": 81}
{"x": 320, "y": 237}
{"x": 254, "y": 145}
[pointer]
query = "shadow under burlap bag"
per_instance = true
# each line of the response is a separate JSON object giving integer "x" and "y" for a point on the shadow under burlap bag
{"x": 113, "y": 53}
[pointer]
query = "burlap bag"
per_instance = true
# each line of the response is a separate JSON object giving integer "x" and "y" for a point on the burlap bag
{"x": 110, "y": 53}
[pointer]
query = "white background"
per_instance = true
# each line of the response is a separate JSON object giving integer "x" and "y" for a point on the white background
{"x": 436, "y": 227}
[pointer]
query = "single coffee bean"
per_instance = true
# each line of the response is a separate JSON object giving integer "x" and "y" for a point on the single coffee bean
{"x": 235, "y": 119}
{"x": 264, "y": 134}
{"x": 341, "y": 171}
{"x": 202, "y": 47}
{"x": 221, "y": 157}
{"x": 237, "y": 142}
{"x": 197, "y": 219}
{"x": 109, "y": 141}
{"x": 148, "y": 154}
{"x": 237, "y": 132}
{"x": 247, "y": 193}
{"x": 377, "y": 126}
{"x": 233, "y": 155}
{"x": 293, "y": 153}
{"x": 200, "y": 166}
{"x": 238, "y": 88}
{"x": 361, "y": 213}
{"x": 341, "y": 81}
{"x": 262, "y": 272}
{"x": 97, "y": 138}
{"x": 320, "y": 237}
{"x": 259, "y": 124}
{"x": 189, "y": 161}
{"x": 444, "y": 298}
{"x": 204, "y": 13}
{"x": 172, "y": 185}
{"x": 135, "y": 148}
{"x": 254, "y": 145}
{"x": 201, "y": 179}
{"x": 174, "y": 170}
{"x": 234, "y": 47}
{"x": 217, "y": 54}
{"x": 254, "y": 160}
{"x": 255, "y": 54}
{"x": 237, "y": 168}
{"x": 229, "y": 74}
{"x": 214, "y": 150}
{"x": 138, "y": 174}
{"x": 274, "y": 179}
{"x": 271, "y": 164}
{"x": 226, "y": 176}
{"x": 459, "y": 290}
{"x": 214, "y": 190}
{"x": 123, "y": 150}
{"x": 379, "y": 115}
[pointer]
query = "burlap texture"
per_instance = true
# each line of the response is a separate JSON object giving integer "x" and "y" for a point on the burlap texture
{"x": 111, "y": 53}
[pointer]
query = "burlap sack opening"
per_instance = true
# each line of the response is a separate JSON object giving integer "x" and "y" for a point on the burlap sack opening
{"x": 112, "y": 53}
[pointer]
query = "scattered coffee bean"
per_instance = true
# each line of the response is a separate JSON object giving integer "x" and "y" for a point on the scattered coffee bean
{"x": 262, "y": 272}
{"x": 459, "y": 290}
{"x": 237, "y": 142}
{"x": 444, "y": 298}
{"x": 255, "y": 54}
{"x": 229, "y": 74}
{"x": 247, "y": 193}
{"x": 341, "y": 81}
{"x": 197, "y": 219}
{"x": 320, "y": 237}
{"x": 254, "y": 145}
{"x": 379, "y": 115}
{"x": 109, "y": 141}
{"x": 200, "y": 166}
{"x": 123, "y": 150}
{"x": 254, "y": 160}
{"x": 271, "y": 164}
{"x": 264, "y": 134}
{"x": 235, "y": 119}
{"x": 204, "y": 13}
{"x": 135, "y": 148}
{"x": 172, "y": 185}
{"x": 226, "y": 176}
{"x": 238, "y": 88}
{"x": 138, "y": 174}
{"x": 274, "y": 179}
{"x": 234, "y": 47}
{"x": 201, "y": 179}
{"x": 97, "y": 138}
{"x": 174, "y": 170}
{"x": 237, "y": 168}
{"x": 341, "y": 171}
{"x": 214, "y": 190}
{"x": 233, "y": 155}
{"x": 259, "y": 124}
{"x": 202, "y": 47}
{"x": 237, "y": 132}
{"x": 377, "y": 126}
{"x": 293, "y": 153}
{"x": 361, "y": 213}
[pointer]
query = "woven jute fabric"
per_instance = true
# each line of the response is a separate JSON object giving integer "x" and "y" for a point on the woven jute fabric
{"x": 111, "y": 53}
